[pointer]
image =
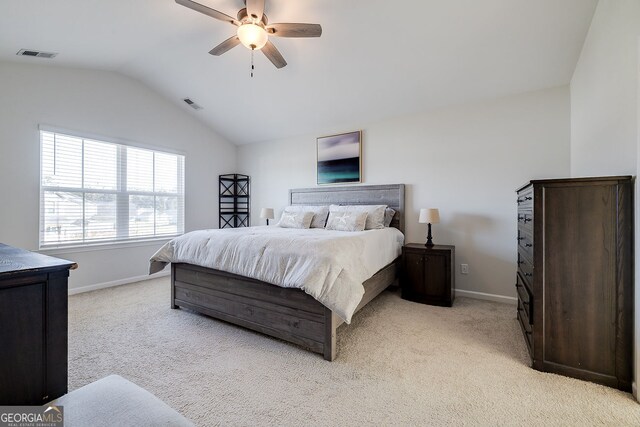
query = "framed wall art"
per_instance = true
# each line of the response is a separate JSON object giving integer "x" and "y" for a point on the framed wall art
{"x": 340, "y": 158}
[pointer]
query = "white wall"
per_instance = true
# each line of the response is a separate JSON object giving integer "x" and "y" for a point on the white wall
{"x": 107, "y": 104}
{"x": 603, "y": 93}
{"x": 467, "y": 161}
{"x": 605, "y": 109}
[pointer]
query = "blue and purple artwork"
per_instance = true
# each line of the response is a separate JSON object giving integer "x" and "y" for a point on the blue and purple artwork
{"x": 339, "y": 158}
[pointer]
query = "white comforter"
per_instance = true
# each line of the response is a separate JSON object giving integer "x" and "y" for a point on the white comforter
{"x": 328, "y": 265}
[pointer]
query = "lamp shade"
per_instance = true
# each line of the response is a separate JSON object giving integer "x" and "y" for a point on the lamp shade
{"x": 252, "y": 36}
{"x": 429, "y": 216}
{"x": 266, "y": 213}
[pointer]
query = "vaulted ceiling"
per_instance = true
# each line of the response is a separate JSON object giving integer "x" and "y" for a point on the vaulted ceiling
{"x": 376, "y": 58}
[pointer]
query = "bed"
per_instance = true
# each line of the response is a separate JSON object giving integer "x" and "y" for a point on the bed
{"x": 289, "y": 314}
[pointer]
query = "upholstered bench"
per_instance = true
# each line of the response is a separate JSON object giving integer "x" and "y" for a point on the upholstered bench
{"x": 114, "y": 401}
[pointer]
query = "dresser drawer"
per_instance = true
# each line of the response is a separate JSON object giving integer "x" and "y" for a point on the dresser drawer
{"x": 525, "y": 219}
{"x": 525, "y": 242}
{"x": 525, "y": 269}
{"x": 525, "y": 298}
{"x": 525, "y": 198}
{"x": 522, "y": 311}
{"x": 526, "y": 329}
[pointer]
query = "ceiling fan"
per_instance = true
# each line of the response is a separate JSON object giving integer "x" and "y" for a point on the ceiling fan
{"x": 254, "y": 29}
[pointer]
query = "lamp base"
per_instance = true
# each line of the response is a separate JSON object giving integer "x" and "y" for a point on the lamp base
{"x": 267, "y": 221}
{"x": 429, "y": 237}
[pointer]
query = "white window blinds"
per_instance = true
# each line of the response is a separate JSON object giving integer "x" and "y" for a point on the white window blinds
{"x": 95, "y": 192}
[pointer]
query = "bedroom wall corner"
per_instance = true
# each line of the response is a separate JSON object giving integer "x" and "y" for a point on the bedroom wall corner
{"x": 466, "y": 160}
{"x": 114, "y": 106}
{"x": 603, "y": 93}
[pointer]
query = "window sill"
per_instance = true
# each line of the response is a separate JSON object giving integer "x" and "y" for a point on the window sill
{"x": 104, "y": 246}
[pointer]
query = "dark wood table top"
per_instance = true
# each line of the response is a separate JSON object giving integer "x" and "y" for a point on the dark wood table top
{"x": 13, "y": 260}
{"x": 434, "y": 247}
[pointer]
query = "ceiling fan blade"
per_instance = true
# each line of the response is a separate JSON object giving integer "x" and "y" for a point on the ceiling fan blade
{"x": 207, "y": 11}
{"x": 274, "y": 55}
{"x": 226, "y": 45}
{"x": 295, "y": 30}
{"x": 255, "y": 9}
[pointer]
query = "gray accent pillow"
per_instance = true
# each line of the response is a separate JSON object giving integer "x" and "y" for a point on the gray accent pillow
{"x": 388, "y": 216}
{"x": 295, "y": 219}
{"x": 347, "y": 221}
{"x": 320, "y": 213}
{"x": 375, "y": 213}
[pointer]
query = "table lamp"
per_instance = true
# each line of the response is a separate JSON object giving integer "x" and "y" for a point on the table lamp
{"x": 429, "y": 216}
{"x": 267, "y": 213}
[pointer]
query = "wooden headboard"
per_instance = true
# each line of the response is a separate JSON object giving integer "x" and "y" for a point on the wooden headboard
{"x": 391, "y": 195}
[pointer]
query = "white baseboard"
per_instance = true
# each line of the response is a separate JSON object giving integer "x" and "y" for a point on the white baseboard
{"x": 634, "y": 391}
{"x": 488, "y": 297}
{"x": 113, "y": 283}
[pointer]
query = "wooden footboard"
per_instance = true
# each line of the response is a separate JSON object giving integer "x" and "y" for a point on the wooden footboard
{"x": 285, "y": 313}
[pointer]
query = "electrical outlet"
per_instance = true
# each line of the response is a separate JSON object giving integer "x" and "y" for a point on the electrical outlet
{"x": 464, "y": 268}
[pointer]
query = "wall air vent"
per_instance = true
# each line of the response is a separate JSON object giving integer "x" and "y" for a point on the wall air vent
{"x": 36, "y": 53}
{"x": 192, "y": 104}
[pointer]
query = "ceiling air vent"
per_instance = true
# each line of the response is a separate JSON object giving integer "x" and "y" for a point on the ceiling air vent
{"x": 36, "y": 53}
{"x": 192, "y": 104}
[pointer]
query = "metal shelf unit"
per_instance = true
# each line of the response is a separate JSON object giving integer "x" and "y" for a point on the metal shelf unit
{"x": 234, "y": 200}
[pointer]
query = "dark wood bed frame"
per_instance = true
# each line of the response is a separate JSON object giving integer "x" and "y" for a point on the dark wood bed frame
{"x": 286, "y": 313}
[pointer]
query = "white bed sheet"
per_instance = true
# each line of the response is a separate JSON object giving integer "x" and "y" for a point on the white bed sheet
{"x": 328, "y": 265}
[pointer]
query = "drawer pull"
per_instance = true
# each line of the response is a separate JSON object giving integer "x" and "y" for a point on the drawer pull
{"x": 520, "y": 218}
{"x": 520, "y": 238}
{"x": 527, "y": 219}
{"x": 520, "y": 262}
{"x": 529, "y": 245}
{"x": 528, "y": 198}
{"x": 528, "y": 274}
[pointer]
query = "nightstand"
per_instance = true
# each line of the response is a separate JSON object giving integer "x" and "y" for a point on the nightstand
{"x": 427, "y": 273}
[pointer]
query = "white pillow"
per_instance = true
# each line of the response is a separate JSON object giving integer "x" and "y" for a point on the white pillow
{"x": 319, "y": 217}
{"x": 388, "y": 216}
{"x": 295, "y": 220}
{"x": 375, "y": 217}
{"x": 347, "y": 221}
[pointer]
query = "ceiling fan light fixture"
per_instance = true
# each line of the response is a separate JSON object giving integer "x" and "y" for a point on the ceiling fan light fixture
{"x": 252, "y": 36}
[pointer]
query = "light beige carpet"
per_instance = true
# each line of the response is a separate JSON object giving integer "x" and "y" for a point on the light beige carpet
{"x": 399, "y": 363}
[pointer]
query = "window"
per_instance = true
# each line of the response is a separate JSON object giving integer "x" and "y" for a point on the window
{"x": 95, "y": 192}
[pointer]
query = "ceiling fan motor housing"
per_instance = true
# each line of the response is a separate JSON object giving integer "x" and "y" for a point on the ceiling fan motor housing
{"x": 243, "y": 16}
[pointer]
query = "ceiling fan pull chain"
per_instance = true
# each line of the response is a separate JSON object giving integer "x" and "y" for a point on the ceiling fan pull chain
{"x": 252, "y": 67}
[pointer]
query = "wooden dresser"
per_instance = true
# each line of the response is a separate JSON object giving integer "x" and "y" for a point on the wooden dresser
{"x": 575, "y": 277}
{"x": 33, "y": 327}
